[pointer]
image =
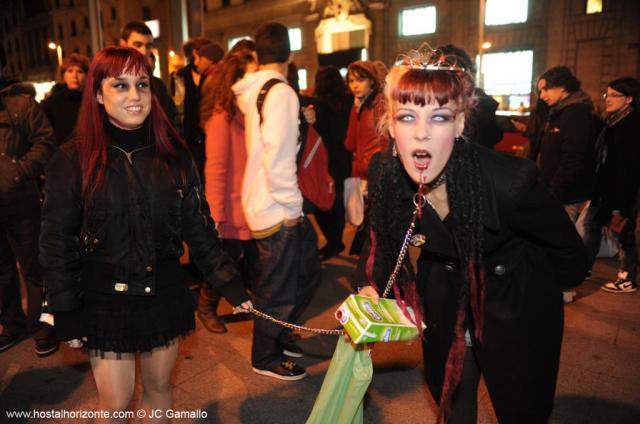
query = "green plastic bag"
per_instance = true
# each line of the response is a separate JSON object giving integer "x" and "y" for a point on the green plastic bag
{"x": 341, "y": 396}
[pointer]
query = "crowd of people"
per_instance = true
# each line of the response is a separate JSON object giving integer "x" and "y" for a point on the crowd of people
{"x": 115, "y": 194}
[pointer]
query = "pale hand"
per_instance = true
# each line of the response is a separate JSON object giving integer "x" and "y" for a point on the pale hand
{"x": 369, "y": 291}
{"x": 244, "y": 308}
{"x": 309, "y": 114}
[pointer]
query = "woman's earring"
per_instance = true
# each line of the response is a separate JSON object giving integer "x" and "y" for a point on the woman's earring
{"x": 394, "y": 152}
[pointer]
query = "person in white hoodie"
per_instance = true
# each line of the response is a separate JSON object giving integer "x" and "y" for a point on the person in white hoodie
{"x": 272, "y": 203}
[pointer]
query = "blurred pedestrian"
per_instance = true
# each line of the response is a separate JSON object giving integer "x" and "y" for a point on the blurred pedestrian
{"x": 481, "y": 125}
{"x": 137, "y": 35}
{"x": 618, "y": 177}
{"x": 332, "y": 102}
{"x": 223, "y": 172}
{"x": 362, "y": 139}
{"x": 119, "y": 200}
{"x": 62, "y": 106}
{"x": 26, "y": 144}
{"x": 495, "y": 249}
{"x": 566, "y": 150}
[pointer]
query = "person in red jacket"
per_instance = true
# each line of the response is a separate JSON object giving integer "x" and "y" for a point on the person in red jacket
{"x": 362, "y": 137}
{"x": 364, "y": 80}
{"x": 225, "y": 159}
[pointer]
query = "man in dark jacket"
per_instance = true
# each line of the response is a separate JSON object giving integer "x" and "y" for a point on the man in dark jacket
{"x": 137, "y": 35}
{"x": 565, "y": 152}
{"x": 26, "y": 143}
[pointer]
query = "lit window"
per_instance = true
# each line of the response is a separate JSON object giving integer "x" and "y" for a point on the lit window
{"x": 418, "y": 20}
{"x": 501, "y": 12}
{"x": 302, "y": 79}
{"x": 594, "y": 6}
{"x": 154, "y": 26}
{"x": 232, "y": 41}
{"x": 295, "y": 39}
{"x": 364, "y": 55}
{"x": 508, "y": 73}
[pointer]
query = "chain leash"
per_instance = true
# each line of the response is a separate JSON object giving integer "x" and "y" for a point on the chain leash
{"x": 419, "y": 200}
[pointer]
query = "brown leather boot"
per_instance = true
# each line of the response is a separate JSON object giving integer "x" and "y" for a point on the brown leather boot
{"x": 206, "y": 312}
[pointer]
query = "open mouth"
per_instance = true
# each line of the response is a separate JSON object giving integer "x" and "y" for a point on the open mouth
{"x": 421, "y": 159}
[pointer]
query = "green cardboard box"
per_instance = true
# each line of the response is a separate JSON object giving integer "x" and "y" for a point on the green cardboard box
{"x": 367, "y": 322}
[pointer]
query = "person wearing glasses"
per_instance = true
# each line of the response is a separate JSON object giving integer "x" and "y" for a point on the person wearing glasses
{"x": 618, "y": 177}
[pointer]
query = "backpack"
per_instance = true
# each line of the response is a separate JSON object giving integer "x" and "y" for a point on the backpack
{"x": 315, "y": 182}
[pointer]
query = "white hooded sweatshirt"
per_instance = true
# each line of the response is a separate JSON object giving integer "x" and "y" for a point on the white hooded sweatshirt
{"x": 270, "y": 192}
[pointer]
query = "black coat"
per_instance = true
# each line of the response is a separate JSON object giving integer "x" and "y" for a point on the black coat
{"x": 531, "y": 253}
{"x": 482, "y": 126}
{"x": 133, "y": 233}
{"x": 26, "y": 144}
{"x": 618, "y": 178}
{"x": 62, "y": 107}
{"x": 566, "y": 153}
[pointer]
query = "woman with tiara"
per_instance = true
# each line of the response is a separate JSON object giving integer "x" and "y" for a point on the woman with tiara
{"x": 496, "y": 248}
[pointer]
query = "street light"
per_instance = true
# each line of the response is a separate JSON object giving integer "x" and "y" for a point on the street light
{"x": 486, "y": 45}
{"x": 58, "y": 49}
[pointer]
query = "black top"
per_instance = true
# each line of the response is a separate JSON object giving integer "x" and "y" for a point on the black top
{"x": 62, "y": 108}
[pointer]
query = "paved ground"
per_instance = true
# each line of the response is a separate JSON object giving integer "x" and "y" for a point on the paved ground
{"x": 599, "y": 378}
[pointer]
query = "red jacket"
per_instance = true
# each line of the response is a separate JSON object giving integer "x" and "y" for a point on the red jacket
{"x": 362, "y": 137}
{"x": 223, "y": 172}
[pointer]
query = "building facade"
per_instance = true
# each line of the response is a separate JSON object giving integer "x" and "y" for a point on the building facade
{"x": 28, "y": 27}
{"x": 599, "y": 40}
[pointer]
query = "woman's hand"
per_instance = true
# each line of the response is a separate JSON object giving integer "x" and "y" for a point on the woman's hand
{"x": 369, "y": 291}
{"x": 244, "y": 308}
{"x": 76, "y": 343}
{"x": 309, "y": 114}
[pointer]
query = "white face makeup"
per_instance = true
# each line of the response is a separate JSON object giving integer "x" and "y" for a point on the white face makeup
{"x": 424, "y": 137}
{"x": 126, "y": 99}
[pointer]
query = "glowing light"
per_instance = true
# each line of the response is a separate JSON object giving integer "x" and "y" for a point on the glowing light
{"x": 172, "y": 53}
{"x": 295, "y": 39}
{"x": 486, "y": 45}
{"x": 52, "y": 45}
{"x": 502, "y": 12}
{"x": 302, "y": 79}
{"x": 508, "y": 73}
{"x": 418, "y": 20}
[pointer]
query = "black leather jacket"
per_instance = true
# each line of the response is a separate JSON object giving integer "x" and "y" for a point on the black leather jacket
{"x": 133, "y": 232}
{"x": 26, "y": 143}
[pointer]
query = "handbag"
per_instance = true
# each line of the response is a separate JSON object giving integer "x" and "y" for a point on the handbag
{"x": 354, "y": 188}
{"x": 341, "y": 397}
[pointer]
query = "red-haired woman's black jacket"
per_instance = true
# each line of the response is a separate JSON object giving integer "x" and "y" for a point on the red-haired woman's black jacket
{"x": 132, "y": 234}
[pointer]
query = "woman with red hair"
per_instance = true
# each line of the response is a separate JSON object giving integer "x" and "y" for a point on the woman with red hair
{"x": 496, "y": 248}
{"x": 119, "y": 200}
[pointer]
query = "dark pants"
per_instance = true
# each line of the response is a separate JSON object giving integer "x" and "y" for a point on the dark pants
{"x": 19, "y": 232}
{"x": 332, "y": 223}
{"x": 628, "y": 253}
{"x": 289, "y": 273}
{"x": 244, "y": 254}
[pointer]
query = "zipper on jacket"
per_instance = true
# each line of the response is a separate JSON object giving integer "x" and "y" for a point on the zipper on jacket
{"x": 204, "y": 218}
{"x": 129, "y": 154}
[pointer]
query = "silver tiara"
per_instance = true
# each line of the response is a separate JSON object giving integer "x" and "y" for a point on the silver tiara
{"x": 428, "y": 59}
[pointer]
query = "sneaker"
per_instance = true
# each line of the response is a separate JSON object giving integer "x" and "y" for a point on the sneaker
{"x": 619, "y": 286}
{"x": 292, "y": 350}
{"x": 286, "y": 370}
{"x": 7, "y": 340}
{"x": 46, "y": 345}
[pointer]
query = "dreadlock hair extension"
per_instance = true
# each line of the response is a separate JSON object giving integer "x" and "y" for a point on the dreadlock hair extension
{"x": 464, "y": 191}
{"x": 428, "y": 77}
